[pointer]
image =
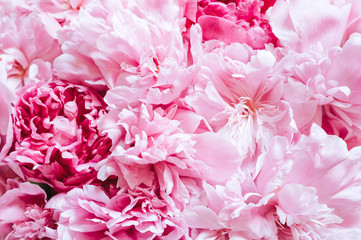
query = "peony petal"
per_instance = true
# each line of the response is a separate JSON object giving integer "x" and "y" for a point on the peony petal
{"x": 221, "y": 157}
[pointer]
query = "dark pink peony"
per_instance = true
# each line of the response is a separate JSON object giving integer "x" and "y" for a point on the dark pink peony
{"x": 235, "y": 21}
{"x": 56, "y": 136}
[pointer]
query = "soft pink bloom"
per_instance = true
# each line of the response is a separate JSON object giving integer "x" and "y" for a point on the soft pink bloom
{"x": 324, "y": 87}
{"x": 301, "y": 175}
{"x": 303, "y": 25}
{"x": 133, "y": 47}
{"x": 89, "y": 213}
{"x": 57, "y": 140}
{"x": 6, "y": 129}
{"x": 290, "y": 196}
{"x": 235, "y": 21}
{"x": 157, "y": 147}
{"x": 150, "y": 149}
{"x": 27, "y": 48}
{"x": 232, "y": 212}
{"x": 22, "y": 213}
{"x": 241, "y": 98}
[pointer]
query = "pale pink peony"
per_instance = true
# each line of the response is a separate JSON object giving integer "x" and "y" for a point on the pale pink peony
{"x": 150, "y": 149}
{"x": 89, "y": 213}
{"x": 158, "y": 148}
{"x": 22, "y": 213}
{"x": 57, "y": 140}
{"x": 134, "y": 46}
{"x": 239, "y": 94}
{"x": 290, "y": 197}
{"x": 235, "y": 21}
{"x": 231, "y": 212}
{"x": 324, "y": 87}
{"x": 307, "y": 206}
{"x": 27, "y": 48}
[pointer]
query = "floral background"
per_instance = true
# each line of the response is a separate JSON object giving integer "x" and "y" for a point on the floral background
{"x": 180, "y": 119}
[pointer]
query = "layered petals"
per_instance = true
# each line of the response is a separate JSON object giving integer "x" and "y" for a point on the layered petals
{"x": 89, "y": 213}
{"x": 57, "y": 140}
{"x": 23, "y": 213}
{"x": 27, "y": 49}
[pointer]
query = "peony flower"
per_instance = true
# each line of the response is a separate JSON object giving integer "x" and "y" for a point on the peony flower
{"x": 89, "y": 213}
{"x": 150, "y": 149}
{"x": 321, "y": 84}
{"x": 241, "y": 101}
{"x": 22, "y": 213}
{"x": 27, "y": 48}
{"x": 56, "y": 135}
{"x": 290, "y": 197}
{"x": 230, "y": 212}
{"x": 117, "y": 56}
{"x": 235, "y": 21}
{"x": 157, "y": 148}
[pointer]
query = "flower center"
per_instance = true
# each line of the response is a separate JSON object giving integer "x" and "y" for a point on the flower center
{"x": 245, "y": 107}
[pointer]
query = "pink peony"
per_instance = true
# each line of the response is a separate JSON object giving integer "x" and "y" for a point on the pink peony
{"x": 22, "y": 213}
{"x": 27, "y": 48}
{"x": 324, "y": 87}
{"x": 241, "y": 101}
{"x": 107, "y": 45}
{"x": 354, "y": 20}
{"x": 235, "y": 21}
{"x": 89, "y": 213}
{"x": 158, "y": 148}
{"x": 150, "y": 149}
{"x": 57, "y": 141}
{"x": 290, "y": 197}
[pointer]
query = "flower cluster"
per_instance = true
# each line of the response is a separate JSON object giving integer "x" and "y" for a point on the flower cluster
{"x": 180, "y": 119}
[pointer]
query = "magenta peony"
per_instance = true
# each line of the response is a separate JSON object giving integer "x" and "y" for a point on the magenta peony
{"x": 56, "y": 136}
